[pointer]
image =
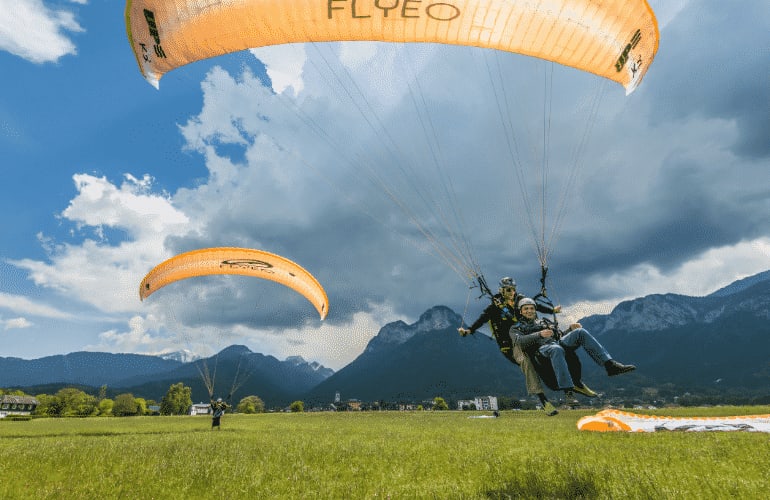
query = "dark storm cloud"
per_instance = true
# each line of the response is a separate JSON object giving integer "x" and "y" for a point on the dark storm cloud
{"x": 714, "y": 62}
{"x": 657, "y": 190}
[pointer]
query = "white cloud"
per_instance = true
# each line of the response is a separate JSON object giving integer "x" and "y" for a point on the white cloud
{"x": 34, "y": 32}
{"x": 94, "y": 271}
{"x": 21, "y": 304}
{"x": 284, "y": 64}
{"x": 15, "y": 323}
{"x": 705, "y": 274}
{"x": 332, "y": 345}
{"x": 131, "y": 207}
{"x": 136, "y": 340}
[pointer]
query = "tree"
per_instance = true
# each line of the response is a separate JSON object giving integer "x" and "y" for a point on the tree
{"x": 9, "y": 392}
{"x": 439, "y": 404}
{"x": 141, "y": 406}
{"x": 251, "y": 404}
{"x": 68, "y": 402}
{"x": 297, "y": 407}
{"x": 105, "y": 407}
{"x": 49, "y": 405}
{"x": 76, "y": 403}
{"x": 125, "y": 405}
{"x": 177, "y": 400}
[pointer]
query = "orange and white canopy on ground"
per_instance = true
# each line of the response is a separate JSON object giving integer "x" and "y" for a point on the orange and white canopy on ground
{"x": 241, "y": 261}
{"x": 622, "y": 421}
{"x": 613, "y": 39}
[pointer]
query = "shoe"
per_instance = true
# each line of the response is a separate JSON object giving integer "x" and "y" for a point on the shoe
{"x": 584, "y": 390}
{"x": 615, "y": 368}
{"x": 549, "y": 409}
{"x": 570, "y": 399}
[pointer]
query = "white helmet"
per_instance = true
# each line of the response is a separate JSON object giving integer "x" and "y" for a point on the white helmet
{"x": 526, "y": 301}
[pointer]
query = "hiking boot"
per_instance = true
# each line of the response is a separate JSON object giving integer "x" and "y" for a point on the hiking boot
{"x": 584, "y": 390}
{"x": 549, "y": 409}
{"x": 615, "y": 368}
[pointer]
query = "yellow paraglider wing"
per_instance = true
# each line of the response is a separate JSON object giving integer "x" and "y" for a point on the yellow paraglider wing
{"x": 242, "y": 261}
{"x": 613, "y": 39}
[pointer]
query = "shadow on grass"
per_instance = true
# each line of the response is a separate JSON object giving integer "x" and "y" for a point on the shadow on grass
{"x": 570, "y": 485}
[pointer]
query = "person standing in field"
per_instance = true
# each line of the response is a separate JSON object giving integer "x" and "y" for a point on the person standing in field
{"x": 218, "y": 408}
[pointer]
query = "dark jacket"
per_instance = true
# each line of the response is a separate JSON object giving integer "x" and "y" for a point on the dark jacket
{"x": 526, "y": 333}
{"x": 501, "y": 317}
{"x": 218, "y": 408}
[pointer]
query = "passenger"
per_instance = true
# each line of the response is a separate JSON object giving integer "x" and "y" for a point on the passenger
{"x": 538, "y": 340}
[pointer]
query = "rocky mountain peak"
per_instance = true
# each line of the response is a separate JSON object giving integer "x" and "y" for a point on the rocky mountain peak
{"x": 437, "y": 318}
{"x": 662, "y": 311}
{"x": 398, "y": 332}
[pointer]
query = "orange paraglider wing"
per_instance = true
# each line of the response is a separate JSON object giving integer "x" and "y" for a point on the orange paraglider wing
{"x": 242, "y": 261}
{"x": 615, "y": 40}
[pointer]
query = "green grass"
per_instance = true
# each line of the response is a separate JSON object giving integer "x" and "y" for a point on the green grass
{"x": 377, "y": 455}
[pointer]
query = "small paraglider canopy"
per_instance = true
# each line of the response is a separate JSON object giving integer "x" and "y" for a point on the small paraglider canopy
{"x": 234, "y": 261}
{"x": 241, "y": 261}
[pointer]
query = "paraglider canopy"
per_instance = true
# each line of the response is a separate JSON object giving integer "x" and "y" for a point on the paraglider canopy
{"x": 615, "y": 40}
{"x": 241, "y": 261}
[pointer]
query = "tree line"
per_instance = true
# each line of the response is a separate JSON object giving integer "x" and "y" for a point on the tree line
{"x": 73, "y": 402}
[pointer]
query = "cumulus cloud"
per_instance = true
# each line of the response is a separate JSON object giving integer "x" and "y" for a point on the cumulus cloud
{"x": 284, "y": 64}
{"x": 95, "y": 271}
{"x": 699, "y": 276}
{"x": 21, "y": 304}
{"x": 15, "y": 323}
{"x": 37, "y": 33}
{"x": 137, "y": 339}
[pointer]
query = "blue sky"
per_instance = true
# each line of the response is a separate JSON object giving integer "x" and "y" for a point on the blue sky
{"x": 104, "y": 176}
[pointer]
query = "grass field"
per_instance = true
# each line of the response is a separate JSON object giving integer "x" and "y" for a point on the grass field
{"x": 522, "y": 454}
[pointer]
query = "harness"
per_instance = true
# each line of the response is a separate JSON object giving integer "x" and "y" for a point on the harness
{"x": 543, "y": 302}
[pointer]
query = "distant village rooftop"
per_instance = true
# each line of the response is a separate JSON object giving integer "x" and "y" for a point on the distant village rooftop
{"x": 17, "y": 405}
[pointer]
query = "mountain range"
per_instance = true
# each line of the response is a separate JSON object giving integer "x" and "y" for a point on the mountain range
{"x": 717, "y": 344}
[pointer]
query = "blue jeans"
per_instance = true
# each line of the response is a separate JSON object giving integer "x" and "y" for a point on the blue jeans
{"x": 572, "y": 340}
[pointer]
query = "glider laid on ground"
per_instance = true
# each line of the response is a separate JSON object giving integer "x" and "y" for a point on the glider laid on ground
{"x": 622, "y": 421}
{"x": 241, "y": 261}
